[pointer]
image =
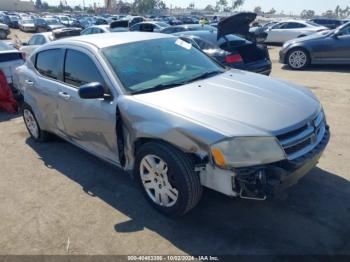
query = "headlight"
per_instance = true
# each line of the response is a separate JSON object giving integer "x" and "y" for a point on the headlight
{"x": 247, "y": 151}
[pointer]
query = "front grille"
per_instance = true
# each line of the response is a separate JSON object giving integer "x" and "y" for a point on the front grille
{"x": 300, "y": 141}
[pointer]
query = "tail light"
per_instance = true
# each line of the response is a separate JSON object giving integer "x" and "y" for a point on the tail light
{"x": 231, "y": 59}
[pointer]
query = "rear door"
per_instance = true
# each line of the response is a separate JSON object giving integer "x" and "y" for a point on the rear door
{"x": 91, "y": 123}
{"x": 43, "y": 85}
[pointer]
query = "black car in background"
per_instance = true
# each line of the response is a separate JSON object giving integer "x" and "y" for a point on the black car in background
{"x": 13, "y": 21}
{"x": 327, "y": 22}
{"x": 47, "y": 24}
{"x": 230, "y": 45}
{"x": 329, "y": 47}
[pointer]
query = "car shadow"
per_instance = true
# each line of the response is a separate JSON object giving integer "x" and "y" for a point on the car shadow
{"x": 4, "y": 116}
{"x": 323, "y": 68}
{"x": 314, "y": 219}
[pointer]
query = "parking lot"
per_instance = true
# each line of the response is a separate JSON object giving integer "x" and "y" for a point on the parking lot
{"x": 58, "y": 199}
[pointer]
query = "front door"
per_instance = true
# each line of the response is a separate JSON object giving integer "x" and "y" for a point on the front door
{"x": 91, "y": 123}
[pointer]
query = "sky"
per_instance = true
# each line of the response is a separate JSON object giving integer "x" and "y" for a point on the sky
{"x": 294, "y": 6}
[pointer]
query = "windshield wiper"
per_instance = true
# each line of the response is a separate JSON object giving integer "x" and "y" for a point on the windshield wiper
{"x": 158, "y": 88}
{"x": 174, "y": 84}
{"x": 205, "y": 75}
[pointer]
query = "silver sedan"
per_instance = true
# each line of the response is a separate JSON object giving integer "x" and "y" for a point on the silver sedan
{"x": 159, "y": 108}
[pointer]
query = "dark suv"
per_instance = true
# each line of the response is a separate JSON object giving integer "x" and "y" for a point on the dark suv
{"x": 329, "y": 23}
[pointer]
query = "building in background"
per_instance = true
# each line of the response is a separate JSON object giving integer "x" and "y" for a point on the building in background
{"x": 17, "y": 5}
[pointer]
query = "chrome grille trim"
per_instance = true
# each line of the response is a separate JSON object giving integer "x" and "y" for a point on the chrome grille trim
{"x": 300, "y": 143}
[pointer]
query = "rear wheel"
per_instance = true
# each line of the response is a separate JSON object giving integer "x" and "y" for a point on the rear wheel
{"x": 167, "y": 178}
{"x": 33, "y": 126}
{"x": 298, "y": 59}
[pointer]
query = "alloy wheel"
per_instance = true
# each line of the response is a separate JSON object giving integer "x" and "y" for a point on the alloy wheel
{"x": 155, "y": 180}
{"x": 297, "y": 59}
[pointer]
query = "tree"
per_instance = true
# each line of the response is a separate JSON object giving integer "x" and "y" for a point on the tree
{"x": 77, "y": 8}
{"x": 146, "y": 6}
{"x": 272, "y": 11}
{"x": 209, "y": 8}
{"x": 221, "y": 5}
{"x": 329, "y": 14}
{"x": 258, "y": 10}
{"x": 307, "y": 14}
{"x": 38, "y": 4}
{"x": 191, "y": 6}
{"x": 237, "y": 3}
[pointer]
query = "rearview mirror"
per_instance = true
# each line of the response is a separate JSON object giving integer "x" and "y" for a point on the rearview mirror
{"x": 92, "y": 90}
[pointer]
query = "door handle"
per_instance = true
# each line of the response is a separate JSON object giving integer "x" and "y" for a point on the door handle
{"x": 29, "y": 82}
{"x": 64, "y": 95}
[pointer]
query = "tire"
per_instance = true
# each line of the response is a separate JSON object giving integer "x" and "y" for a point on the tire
{"x": 298, "y": 59}
{"x": 3, "y": 34}
{"x": 173, "y": 188}
{"x": 32, "y": 125}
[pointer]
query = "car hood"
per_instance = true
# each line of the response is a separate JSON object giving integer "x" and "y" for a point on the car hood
{"x": 236, "y": 24}
{"x": 238, "y": 103}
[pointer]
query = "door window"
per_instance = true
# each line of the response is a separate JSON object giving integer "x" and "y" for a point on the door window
{"x": 293, "y": 25}
{"x": 49, "y": 63}
{"x": 80, "y": 69}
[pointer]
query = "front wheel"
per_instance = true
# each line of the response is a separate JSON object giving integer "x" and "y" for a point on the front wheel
{"x": 167, "y": 178}
{"x": 298, "y": 59}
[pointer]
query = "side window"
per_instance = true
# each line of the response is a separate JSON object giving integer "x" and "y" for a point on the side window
{"x": 87, "y": 31}
{"x": 32, "y": 40}
{"x": 135, "y": 28}
{"x": 293, "y": 26}
{"x": 203, "y": 44}
{"x": 345, "y": 31}
{"x": 146, "y": 28}
{"x": 278, "y": 26}
{"x": 40, "y": 40}
{"x": 80, "y": 69}
{"x": 49, "y": 63}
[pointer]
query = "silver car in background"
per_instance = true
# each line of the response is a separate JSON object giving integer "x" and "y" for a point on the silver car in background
{"x": 159, "y": 108}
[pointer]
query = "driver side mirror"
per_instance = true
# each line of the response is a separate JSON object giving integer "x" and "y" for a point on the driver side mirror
{"x": 92, "y": 90}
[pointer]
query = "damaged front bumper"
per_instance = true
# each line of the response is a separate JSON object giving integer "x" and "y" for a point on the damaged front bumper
{"x": 263, "y": 182}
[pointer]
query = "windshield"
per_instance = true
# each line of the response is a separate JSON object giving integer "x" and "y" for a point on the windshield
{"x": 144, "y": 65}
{"x": 52, "y": 22}
{"x": 28, "y": 21}
{"x": 312, "y": 23}
{"x": 162, "y": 24}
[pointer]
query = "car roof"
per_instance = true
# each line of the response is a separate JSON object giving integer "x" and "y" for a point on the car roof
{"x": 110, "y": 39}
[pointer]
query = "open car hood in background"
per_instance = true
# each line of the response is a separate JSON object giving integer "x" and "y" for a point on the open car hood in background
{"x": 237, "y": 24}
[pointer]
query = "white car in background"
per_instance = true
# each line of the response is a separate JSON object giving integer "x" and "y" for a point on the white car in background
{"x": 100, "y": 29}
{"x": 26, "y": 24}
{"x": 35, "y": 41}
{"x": 10, "y": 59}
{"x": 288, "y": 30}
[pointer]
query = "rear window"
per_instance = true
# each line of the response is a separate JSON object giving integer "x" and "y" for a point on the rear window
{"x": 49, "y": 63}
{"x": 7, "y": 57}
